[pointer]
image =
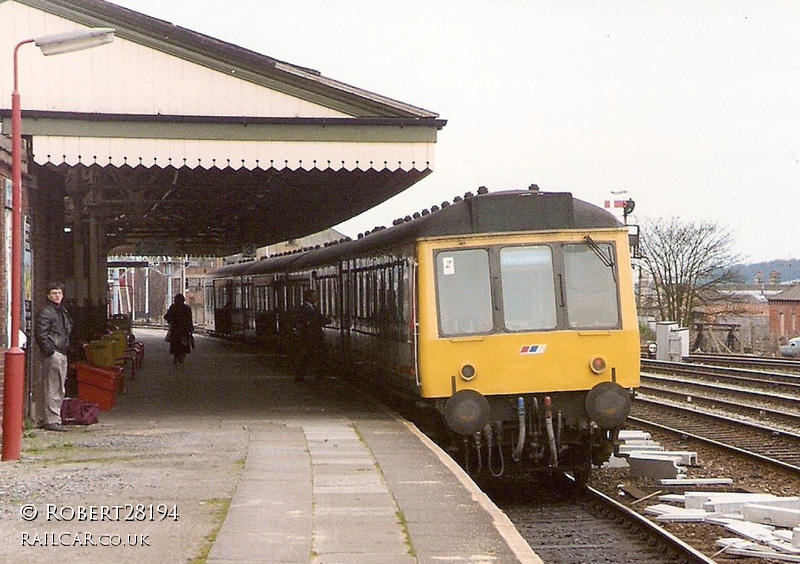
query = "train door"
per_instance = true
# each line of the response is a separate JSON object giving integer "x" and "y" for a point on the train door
{"x": 208, "y": 305}
{"x": 237, "y": 312}
{"x": 412, "y": 313}
{"x": 248, "y": 308}
{"x": 279, "y": 287}
{"x": 264, "y": 300}
{"x": 223, "y": 306}
{"x": 344, "y": 313}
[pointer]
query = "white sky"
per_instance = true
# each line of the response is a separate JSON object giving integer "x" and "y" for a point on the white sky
{"x": 692, "y": 107}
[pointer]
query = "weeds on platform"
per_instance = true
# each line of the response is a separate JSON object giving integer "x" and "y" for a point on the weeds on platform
{"x": 220, "y": 512}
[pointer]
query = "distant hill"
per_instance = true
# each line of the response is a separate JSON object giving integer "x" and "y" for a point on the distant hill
{"x": 786, "y": 270}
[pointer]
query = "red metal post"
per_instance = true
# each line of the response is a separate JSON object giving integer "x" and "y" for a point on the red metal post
{"x": 14, "y": 380}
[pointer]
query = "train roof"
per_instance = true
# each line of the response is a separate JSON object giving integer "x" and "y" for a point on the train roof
{"x": 497, "y": 212}
{"x": 230, "y": 269}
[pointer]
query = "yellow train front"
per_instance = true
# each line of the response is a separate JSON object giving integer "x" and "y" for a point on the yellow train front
{"x": 528, "y": 341}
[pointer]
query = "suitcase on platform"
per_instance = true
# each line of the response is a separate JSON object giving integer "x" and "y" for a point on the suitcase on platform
{"x": 77, "y": 411}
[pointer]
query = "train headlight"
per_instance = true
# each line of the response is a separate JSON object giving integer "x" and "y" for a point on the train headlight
{"x": 467, "y": 372}
{"x": 608, "y": 404}
{"x": 598, "y": 365}
{"x": 467, "y": 412}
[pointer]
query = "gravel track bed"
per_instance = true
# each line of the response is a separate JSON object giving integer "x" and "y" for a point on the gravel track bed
{"x": 712, "y": 463}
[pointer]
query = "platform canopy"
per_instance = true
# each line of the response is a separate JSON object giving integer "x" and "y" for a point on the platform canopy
{"x": 181, "y": 143}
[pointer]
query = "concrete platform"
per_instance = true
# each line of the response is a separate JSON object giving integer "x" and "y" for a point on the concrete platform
{"x": 329, "y": 477}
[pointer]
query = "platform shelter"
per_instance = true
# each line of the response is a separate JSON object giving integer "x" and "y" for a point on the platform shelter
{"x": 167, "y": 141}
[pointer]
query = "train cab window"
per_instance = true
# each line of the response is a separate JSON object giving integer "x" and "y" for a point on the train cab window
{"x": 463, "y": 292}
{"x": 529, "y": 297}
{"x": 590, "y": 287}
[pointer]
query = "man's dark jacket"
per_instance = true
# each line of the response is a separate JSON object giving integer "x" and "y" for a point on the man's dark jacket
{"x": 309, "y": 323}
{"x": 53, "y": 328}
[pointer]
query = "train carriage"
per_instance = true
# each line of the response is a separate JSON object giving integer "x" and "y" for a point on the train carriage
{"x": 511, "y": 313}
{"x": 226, "y": 320}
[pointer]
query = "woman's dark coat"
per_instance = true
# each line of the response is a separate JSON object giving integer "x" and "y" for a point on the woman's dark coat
{"x": 179, "y": 317}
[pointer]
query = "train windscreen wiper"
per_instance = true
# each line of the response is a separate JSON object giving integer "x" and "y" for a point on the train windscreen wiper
{"x": 605, "y": 259}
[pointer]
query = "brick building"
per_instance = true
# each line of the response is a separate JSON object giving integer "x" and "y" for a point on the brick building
{"x": 784, "y": 313}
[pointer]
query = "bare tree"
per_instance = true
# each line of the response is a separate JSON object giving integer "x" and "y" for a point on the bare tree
{"x": 686, "y": 262}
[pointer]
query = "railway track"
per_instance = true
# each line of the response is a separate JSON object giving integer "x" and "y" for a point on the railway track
{"x": 753, "y": 379}
{"x": 746, "y": 361}
{"x": 768, "y": 398}
{"x": 565, "y": 523}
{"x": 768, "y": 444}
{"x": 782, "y": 411}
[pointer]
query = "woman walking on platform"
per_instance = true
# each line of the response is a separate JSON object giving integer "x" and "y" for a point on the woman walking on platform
{"x": 179, "y": 317}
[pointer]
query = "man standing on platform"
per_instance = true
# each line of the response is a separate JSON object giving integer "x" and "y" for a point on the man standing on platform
{"x": 310, "y": 346}
{"x": 53, "y": 328}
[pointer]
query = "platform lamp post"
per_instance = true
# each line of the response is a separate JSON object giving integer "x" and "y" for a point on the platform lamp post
{"x": 13, "y": 387}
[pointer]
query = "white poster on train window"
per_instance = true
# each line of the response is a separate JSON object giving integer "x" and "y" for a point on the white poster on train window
{"x": 448, "y": 266}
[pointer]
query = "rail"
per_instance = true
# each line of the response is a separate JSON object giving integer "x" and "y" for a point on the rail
{"x": 767, "y": 444}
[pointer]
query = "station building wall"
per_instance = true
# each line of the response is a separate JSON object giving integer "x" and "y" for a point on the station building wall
{"x": 44, "y": 258}
{"x": 5, "y": 264}
{"x": 5, "y": 184}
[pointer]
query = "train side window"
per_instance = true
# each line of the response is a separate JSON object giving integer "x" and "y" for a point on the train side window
{"x": 591, "y": 288}
{"x": 237, "y": 296}
{"x": 463, "y": 292}
{"x": 260, "y": 292}
{"x": 529, "y": 296}
{"x": 247, "y": 296}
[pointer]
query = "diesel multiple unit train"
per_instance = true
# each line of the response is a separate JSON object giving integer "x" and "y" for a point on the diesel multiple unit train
{"x": 510, "y": 313}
